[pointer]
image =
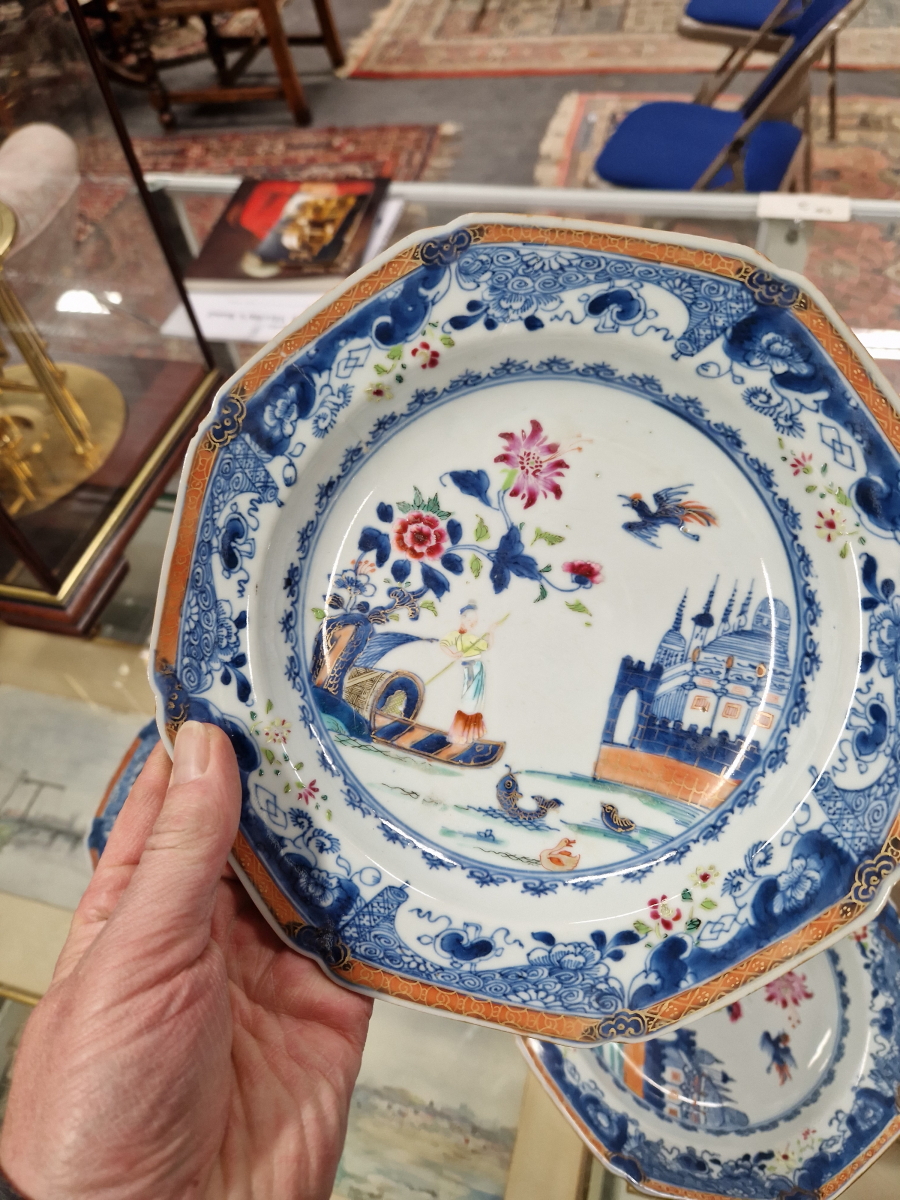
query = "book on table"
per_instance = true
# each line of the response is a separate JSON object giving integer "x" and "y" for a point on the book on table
{"x": 294, "y": 234}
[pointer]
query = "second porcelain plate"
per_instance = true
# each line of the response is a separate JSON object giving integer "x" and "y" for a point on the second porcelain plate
{"x": 525, "y": 575}
{"x": 787, "y": 1095}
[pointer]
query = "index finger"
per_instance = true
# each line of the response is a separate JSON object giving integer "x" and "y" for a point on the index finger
{"x": 119, "y": 859}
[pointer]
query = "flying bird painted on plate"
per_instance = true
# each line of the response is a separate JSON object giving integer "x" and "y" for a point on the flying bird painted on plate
{"x": 671, "y": 509}
{"x": 778, "y": 1049}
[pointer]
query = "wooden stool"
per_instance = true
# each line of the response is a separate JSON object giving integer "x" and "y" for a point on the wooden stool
{"x": 130, "y": 31}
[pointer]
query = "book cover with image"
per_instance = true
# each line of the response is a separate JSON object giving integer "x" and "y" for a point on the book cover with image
{"x": 280, "y": 229}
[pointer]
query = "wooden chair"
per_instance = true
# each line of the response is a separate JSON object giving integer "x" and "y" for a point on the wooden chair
{"x": 761, "y": 24}
{"x": 126, "y": 43}
{"x": 678, "y": 146}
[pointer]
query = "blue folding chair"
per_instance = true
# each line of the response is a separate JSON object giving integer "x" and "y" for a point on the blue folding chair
{"x": 769, "y": 24}
{"x": 671, "y": 145}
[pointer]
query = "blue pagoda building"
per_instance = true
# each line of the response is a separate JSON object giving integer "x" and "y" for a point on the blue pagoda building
{"x": 705, "y": 707}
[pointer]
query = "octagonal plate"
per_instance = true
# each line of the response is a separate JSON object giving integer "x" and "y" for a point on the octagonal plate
{"x": 543, "y": 578}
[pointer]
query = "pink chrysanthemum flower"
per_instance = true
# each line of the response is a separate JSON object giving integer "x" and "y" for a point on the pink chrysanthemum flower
{"x": 537, "y": 462}
{"x": 789, "y": 989}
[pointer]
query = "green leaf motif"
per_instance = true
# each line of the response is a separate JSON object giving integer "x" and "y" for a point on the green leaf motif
{"x": 544, "y": 570}
{"x": 542, "y": 594}
{"x": 269, "y": 706}
{"x": 482, "y": 533}
{"x": 319, "y": 614}
{"x": 269, "y": 755}
{"x": 287, "y": 787}
{"x": 692, "y": 924}
{"x": 433, "y": 506}
{"x": 686, "y": 894}
{"x": 403, "y": 506}
{"x": 475, "y": 564}
{"x": 641, "y": 927}
{"x": 811, "y": 488}
{"x": 418, "y": 499}
{"x": 842, "y": 498}
{"x": 509, "y": 476}
{"x": 708, "y": 903}
{"x": 298, "y": 766}
{"x": 845, "y": 550}
{"x": 380, "y": 370}
{"x": 395, "y": 353}
{"x": 578, "y": 607}
{"x": 552, "y": 539}
{"x": 430, "y": 605}
{"x": 447, "y": 340}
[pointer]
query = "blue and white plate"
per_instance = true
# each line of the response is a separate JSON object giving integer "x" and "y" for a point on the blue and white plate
{"x": 786, "y": 1095}
{"x": 119, "y": 786}
{"x": 524, "y": 572}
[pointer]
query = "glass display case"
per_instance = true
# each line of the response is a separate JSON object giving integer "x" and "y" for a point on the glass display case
{"x": 96, "y": 403}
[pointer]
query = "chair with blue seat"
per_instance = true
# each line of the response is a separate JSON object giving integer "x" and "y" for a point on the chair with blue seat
{"x": 675, "y": 145}
{"x": 767, "y": 24}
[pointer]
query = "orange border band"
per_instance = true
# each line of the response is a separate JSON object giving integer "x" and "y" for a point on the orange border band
{"x": 625, "y": 1024}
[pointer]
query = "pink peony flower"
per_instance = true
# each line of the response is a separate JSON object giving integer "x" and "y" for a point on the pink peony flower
{"x": 537, "y": 462}
{"x": 420, "y": 535}
{"x": 583, "y": 571}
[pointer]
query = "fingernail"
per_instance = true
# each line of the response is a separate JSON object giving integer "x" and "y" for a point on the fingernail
{"x": 191, "y": 752}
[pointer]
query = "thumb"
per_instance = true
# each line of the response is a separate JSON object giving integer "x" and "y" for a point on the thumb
{"x": 167, "y": 906}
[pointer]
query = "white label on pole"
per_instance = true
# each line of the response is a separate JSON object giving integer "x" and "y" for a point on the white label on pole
{"x": 802, "y": 206}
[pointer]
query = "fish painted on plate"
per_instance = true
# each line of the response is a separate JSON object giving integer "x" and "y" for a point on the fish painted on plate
{"x": 508, "y": 797}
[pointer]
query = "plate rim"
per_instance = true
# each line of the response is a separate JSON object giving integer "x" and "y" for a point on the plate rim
{"x": 867, "y": 895}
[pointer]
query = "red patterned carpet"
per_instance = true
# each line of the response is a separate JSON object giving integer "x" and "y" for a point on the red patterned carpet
{"x": 434, "y": 38}
{"x": 362, "y": 152}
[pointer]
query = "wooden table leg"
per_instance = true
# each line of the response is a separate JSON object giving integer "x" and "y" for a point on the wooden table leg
{"x": 330, "y": 35}
{"x": 284, "y": 64}
{"x": 140, "y": 42}
{"x": 832, "y": 91}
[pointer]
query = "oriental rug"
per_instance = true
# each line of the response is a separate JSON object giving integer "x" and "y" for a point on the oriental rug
{"x": 360, "y": 152}
{"x": 856, "y": 264}
{"x": 452, "y": 38}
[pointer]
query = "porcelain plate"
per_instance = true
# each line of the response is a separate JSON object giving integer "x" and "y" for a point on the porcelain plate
{"x": 524, "y": 573}
{"x": 786, "y": 1095}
